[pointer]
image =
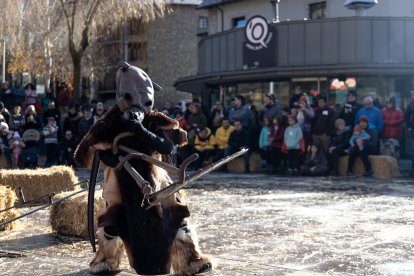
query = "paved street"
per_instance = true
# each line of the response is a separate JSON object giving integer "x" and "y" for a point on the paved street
{"x": 258, "y": 224}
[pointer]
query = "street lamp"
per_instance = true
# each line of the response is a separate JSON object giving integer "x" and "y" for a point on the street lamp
{"x": 4, "y": 38}
{"x": 275, "y": 6}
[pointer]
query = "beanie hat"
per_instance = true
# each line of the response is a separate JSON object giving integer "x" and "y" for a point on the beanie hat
{"x": 3, "y": 125}
{"x": 364, "y": 118}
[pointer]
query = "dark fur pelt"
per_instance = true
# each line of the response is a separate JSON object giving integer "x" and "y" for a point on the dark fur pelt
{"x": 147, "y": 236}
{"x": 105, "y": 131}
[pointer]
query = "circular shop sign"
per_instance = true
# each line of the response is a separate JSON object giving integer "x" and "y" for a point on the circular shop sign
{"x": 257, "y": 31}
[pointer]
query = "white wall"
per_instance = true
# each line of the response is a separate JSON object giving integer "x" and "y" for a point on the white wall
{"x": 298, "y": 10}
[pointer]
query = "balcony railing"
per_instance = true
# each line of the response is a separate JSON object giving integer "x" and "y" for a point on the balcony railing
{"x": 339, "y": 41}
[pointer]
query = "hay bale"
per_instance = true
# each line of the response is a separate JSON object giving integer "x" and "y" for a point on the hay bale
{"x": 10, "y": 214}
{"x": 39, "y": 181}
{"x": 70, "y": 217}
{"x": 237, "y": 165}
{"x": 7, "y": 199}
{"x": 382, "y": 166}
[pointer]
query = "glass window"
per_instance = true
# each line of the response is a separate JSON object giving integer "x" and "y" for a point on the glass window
{"x": 317, "y": 10}
{"x": 202, "y": 23}
{"x": 239, "y": 22}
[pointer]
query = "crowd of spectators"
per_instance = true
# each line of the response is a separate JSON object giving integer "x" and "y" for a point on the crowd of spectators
{"x": 301, "y": 138}
{"x": 31, "y": 125}
{"x": 306, "y": 137}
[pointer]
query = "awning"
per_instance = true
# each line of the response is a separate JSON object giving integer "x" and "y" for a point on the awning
{"x": 200, "y": 83}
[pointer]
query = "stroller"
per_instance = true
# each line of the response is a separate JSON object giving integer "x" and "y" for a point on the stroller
{"x": 30, "y": 154}
{"x": 390, "y": 147}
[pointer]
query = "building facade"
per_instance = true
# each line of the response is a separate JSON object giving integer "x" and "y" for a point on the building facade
{"x": 165, "y": 48}
{"x": 256, "y": 47}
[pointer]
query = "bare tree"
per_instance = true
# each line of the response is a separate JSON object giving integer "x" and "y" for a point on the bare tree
{"x": 36, "y": 32}
{"x": 30, "y": 27}
{"x": 85, "y": 17}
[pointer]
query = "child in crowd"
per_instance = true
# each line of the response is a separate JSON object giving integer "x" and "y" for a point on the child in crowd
{"x": 277, "y": 131}
{"x": 50, "y": 132}
{"x": 315, "y": 162}
{"x": 358, "y": 134}
{"x": 265, "y": 145}
{"x": 16, "y": 145}
{"x": 17, "y": 120}
{"x": 292, "y": 137}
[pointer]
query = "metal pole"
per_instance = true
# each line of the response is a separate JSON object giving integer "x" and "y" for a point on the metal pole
{"x": 4, "y": 59}
{"x": 277, "y": 12}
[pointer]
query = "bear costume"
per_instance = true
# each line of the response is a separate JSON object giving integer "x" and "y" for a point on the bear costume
{"x": 155, "y": 238}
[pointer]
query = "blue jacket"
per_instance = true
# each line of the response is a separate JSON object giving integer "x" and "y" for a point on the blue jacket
{"x": 264, "y": 137}
{"x": 293, "y": 135}
{"x": 363, "y": 135}
{"x": 374, "y": 116}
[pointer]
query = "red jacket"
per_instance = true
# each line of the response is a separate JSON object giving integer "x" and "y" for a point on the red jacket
{"x": 393, "y": 119}
{"x": 277, "y": 136}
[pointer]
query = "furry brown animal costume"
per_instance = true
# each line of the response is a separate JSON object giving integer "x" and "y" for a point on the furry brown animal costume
{"x": 154, "y": 239}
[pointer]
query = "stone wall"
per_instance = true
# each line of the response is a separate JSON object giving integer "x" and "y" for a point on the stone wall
{"x": 172, "y": 50}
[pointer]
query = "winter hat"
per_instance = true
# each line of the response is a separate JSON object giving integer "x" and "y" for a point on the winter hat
{"x": 16, "y": 135}
{"x": 100, "y": 105}
{"x": 357, "y": 129}
{"x": 3, "y": 125}
{"x": 364, "y": 118}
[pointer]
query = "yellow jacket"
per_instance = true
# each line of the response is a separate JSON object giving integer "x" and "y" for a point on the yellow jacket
{"x": 222, "y": 136}
{"x": 206, "y": 142}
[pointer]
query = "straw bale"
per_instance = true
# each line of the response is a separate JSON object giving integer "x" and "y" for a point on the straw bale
{"x": 237, "y": 165}
{"x": 7, "y": 199}
{"x": 382, "y": 166}
{"x": 70, "y": 217}
{"x": 10, "y": 214}
{"x": 39, "y": 181}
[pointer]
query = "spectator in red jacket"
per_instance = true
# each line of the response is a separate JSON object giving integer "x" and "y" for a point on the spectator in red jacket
{"x": 277, "y": 132}
{"x": 393, "y": 119}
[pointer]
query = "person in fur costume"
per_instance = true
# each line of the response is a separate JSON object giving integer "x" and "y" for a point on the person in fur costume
{"x": 156, "y": 238}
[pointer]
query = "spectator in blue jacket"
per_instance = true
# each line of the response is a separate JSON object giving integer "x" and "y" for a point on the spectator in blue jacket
{"x": 374, "y": 115}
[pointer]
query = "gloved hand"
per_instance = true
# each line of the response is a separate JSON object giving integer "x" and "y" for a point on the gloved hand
{"x": 134, "y": 114}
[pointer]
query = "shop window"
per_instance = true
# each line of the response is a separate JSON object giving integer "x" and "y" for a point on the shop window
{"x": 239, "y": 22}
{"x": 317, "y": 10}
